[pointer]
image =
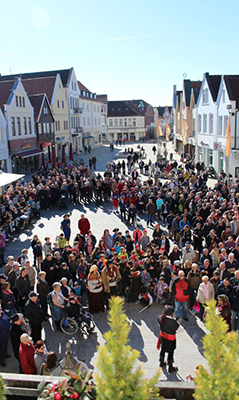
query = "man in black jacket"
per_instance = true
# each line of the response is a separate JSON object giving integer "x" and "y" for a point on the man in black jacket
{"x": 234, "y": 297}
{"x": 33, "y": 312}
{"x": 18, "y": 327}
{"x": 23, "y": 287}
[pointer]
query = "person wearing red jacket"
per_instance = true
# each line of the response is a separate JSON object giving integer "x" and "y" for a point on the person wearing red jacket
{"x": 83, "y": 225}
{"x": 137, "y": 234}
{"x": 181, "y": 292}
{"x": 26, "y": 355}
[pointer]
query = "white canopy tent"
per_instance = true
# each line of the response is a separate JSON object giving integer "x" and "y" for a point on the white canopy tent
{"x": 6, "y": 178}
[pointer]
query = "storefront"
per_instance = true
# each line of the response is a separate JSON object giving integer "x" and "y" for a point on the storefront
{"x": 26, "y": 161}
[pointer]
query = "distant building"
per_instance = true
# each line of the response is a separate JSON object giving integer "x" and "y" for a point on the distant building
{"x": 5, "y": 161}
{"x": 129, "y": 120}
{"x": 22, "y": 140}
{"x": 102, "y": 98}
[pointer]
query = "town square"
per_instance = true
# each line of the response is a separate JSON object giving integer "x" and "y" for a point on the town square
{"x": 119, "y": 205}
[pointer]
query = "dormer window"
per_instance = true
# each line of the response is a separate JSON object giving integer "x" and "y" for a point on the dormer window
{"x": 205, "y": 96}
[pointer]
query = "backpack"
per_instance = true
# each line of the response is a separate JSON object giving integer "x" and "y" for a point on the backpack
{"x": 19, "y": 259}
{"x": 49, "y": 299}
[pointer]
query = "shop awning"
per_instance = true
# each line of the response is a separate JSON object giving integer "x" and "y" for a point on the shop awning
{"x": 6, "y": 178}
{"x": 88, "y": 137}
{"x": 29, "y": 153}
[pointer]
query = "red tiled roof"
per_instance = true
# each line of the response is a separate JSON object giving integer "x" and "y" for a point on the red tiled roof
{"x": 82, "y": 87}
{"x": 40, "y": 86}
{"x": 5, "y": 88}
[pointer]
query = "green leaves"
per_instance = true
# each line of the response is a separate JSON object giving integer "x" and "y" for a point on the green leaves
{"x": 119, "y": 376}
{"x": 221, "y": 351}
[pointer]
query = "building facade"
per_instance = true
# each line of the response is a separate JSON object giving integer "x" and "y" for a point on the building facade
{"x": 91, "y": 118}
{"x": 126, "y": 120}
{"x": 22, "y": 140}
{"x": 44, "y": 125}
{"x": 5, "y": 161}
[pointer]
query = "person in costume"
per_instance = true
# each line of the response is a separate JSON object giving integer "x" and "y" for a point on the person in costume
{"x": 167, "y": 338}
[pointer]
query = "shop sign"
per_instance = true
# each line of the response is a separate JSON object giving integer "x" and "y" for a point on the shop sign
{"x": 26, "y": 146}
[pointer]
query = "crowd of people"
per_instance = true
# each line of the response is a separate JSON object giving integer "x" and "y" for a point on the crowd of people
{"x": 191, "y": 256}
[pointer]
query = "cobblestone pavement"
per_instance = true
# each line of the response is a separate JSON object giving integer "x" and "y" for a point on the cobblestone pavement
{"x": 144, "y": 326}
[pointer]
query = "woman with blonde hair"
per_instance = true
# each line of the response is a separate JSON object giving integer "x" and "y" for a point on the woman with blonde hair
{"x": 205, "y": 292}
{"x": 95, "y": 287}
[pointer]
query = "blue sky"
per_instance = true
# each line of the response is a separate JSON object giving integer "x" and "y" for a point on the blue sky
{"x": 127, "y": 49}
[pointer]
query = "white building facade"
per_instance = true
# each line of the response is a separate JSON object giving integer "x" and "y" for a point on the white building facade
{"x": 5, "y": 161}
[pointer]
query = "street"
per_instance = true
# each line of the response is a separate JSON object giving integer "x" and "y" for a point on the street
{"x": 144, "y": 326}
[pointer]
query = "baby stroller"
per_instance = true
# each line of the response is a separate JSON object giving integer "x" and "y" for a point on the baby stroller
{"x": 63, "y": 201}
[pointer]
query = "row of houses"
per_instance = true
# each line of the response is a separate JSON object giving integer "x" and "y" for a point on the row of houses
{"x": 204, "y": 107}
{"x": 44, "y": 110}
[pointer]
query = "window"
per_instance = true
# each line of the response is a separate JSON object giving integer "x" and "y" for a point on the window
{"x": 205, "y": 96}
{"x": 204, "y": 123}
{"x": 25, "y": 125}
{"x": 65, "y": 125}
{"x": 45, "y": 110}
{"x": 13, "y": 126}
{"x": 23, "y": 102}
{"x": 95, "y": 121}
{"x": 83, "y": 106}
{"x": 98, "y": 121}
{"x": 59, "y": 125}
{"x": 110, "y": 122}
{"x": 210, "y": 123}
{"x": 44, "y": 128}
{"x": 130, "y": 122}
{"x": 58, "y": 104}
{"x": 115, "y": 122}
{"x": 83, "y": 121}
{"x": 94, "y": 108}
{"x": 125, "y": 123}
{"x": 1, "y": 135}
{"x": 88, "y": 107}
{"x": 16, "y": 101}
{"x": 48, "y": 127}
{"x": 120, "y": 122}
{"x": 56, "y": 125}
{"x": 210, "y": 157}
{"x": 220, "y": 125}
{"x": 98, "y": 109}
{"x": 62, "y": 103}
{"x": 29, "y": 125}
{"x": 134, "y": 123}
{"x": 19, "y": 125}
{"x": 223, "y": 96}
{"x": 52, "y": 127}
{"x": 39, "y": 129}
{"x": 88, "y": 121}
{"x": 225, "y": 124}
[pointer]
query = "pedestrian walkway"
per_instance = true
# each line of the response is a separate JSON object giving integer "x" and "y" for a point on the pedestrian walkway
{"x": 144, "y": 326}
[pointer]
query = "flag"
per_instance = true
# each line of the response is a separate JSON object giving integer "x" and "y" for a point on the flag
{"x": 159, "y": 129}
{"x": 229, "y": 139}
{"x": 168, "y": 131}
{"x": 185, "y": 128}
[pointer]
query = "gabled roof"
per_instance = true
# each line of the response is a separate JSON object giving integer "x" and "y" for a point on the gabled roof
{"x": 5, "y": 91}
{"x": 188, "y": 85}
{"x": 40, "y": 86}
{"x": 124, "y": 108}
{"x": 37, "y": 101}
{"x": 232, "y": 85}
{"x": 178, "y": 94}
{"x": 83, "y": 87}
{"x": 213, "y": 84}
{"x": 102, "y": 98}
{"x": 64, "y": 73}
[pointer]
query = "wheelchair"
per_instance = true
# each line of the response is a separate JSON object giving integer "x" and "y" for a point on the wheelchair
{"x": 70, "y": 326}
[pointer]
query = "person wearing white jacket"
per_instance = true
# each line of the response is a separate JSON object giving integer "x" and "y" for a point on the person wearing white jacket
{"x": 205, "y": 293}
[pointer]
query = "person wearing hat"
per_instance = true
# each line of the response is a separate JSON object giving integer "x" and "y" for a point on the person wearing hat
{"x": 23, "y": 287}
{"x": 26, "y": 355}
{"x": 188, "y": 252}
{"x": 167, "y": 338}
{"x": 224, "y": 309}
{"x": 110, "y": 277}
{"x": 66, "y": 227}
{"x": 19, "y": 326}
{"x": 4, "y": 336}
{"x": 33, "y": 312}
{"x": 95, "y": 287}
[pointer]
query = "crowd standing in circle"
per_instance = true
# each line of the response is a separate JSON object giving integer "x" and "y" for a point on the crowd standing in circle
{"x": 191, "y": 257}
